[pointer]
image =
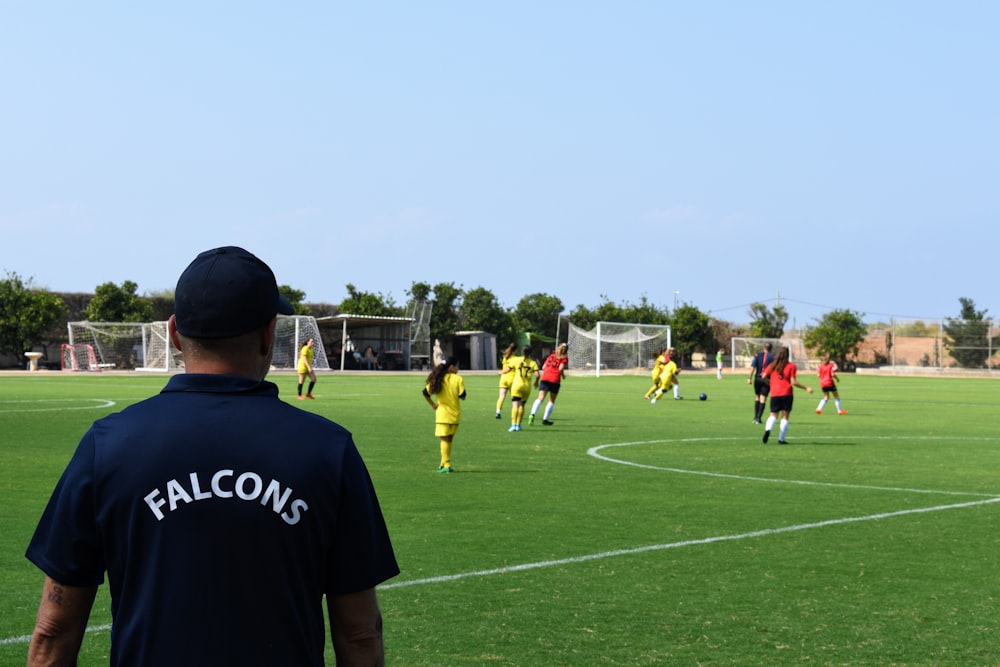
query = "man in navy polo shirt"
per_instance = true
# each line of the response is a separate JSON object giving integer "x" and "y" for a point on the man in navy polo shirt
{"x": 221, "y": 514}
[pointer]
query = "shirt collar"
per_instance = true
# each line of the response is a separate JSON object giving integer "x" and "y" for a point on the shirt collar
{"x": 219, "y": 384}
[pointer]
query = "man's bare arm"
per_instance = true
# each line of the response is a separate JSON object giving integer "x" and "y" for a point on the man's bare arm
{"x": 62, "y": 620}
{"x": 356, "y": 628}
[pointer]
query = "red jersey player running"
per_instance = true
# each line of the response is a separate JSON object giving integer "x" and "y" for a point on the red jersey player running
{"x": 828, "y": 385}
{"x": 553, "y": 371}
{"x": 782, "y": 374}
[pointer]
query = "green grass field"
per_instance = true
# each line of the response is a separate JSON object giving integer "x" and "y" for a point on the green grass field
{"x": 626, "y": 534}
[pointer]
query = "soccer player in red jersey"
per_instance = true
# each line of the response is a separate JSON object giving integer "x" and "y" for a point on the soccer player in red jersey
{"x": 553, "y": 371}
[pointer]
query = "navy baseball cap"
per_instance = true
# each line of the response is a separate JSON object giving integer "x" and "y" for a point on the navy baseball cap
{"x": 226, "y": 292}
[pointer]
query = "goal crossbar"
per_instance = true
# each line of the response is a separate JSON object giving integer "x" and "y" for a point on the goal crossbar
{"x": 745, "y": 348}
{"x": 620, "y": 346}
{"x": 141, "y": 346}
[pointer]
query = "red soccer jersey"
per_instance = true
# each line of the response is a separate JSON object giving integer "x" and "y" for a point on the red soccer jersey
{"x": 552, "y": 368}
{"x": 781, "y": 383}
{"x": 826, "y": 372}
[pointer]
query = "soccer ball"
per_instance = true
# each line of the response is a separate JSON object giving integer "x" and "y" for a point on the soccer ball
{"x": 702, "y": 397}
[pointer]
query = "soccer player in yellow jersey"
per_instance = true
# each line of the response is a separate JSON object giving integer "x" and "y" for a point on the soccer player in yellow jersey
{"x": 305, "y": 368}
{"x": 525, "y": 375}
{"x": 668, "y": 378}
{"x": 658, "y": 364}
{"x": 506, "y": 376}
{"x": 447, "y": 386}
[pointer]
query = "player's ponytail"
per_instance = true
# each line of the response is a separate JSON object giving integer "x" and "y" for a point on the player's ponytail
{"x": 435, "y": 380}
{"x": 780, "y": 361}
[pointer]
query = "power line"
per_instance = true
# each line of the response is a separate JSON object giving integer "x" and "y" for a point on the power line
{"x": 777, "y": 300}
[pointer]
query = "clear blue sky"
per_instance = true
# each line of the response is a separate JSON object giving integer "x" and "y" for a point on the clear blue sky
{"x": 838, "y": 154}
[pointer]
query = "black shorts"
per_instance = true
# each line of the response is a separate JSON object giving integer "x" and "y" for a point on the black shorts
{"x": 551, "y": 387}
{"x": 829, "y": 389}
{"x": 781, "y": 403}
{"x": 761, "y": 387}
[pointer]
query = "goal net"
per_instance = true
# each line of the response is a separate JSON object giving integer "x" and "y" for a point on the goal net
{"x": 616, "y": 346}
{"x": 158, "y": 353}
{"x": 142, "y": 346}
{"x": 79, "y": 357}
{"x": 744, "y": 349}
{"x": 290, "y": 335}
{"x": 146, "y": 346}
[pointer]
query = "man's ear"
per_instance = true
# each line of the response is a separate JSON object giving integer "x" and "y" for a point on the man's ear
{"x": 175, "y": 337}
{"x": 267, "y": 336}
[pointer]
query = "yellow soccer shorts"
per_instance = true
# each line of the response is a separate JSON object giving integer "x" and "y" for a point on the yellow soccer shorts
{"x": 445, "y": 430}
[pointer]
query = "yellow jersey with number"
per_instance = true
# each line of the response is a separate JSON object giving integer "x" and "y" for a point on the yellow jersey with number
{"x": 525, "y": 369}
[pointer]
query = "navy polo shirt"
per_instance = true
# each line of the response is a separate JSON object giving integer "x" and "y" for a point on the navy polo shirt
{"x": 222, "y": 516}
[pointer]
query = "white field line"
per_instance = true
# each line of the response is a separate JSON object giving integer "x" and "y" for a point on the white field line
{"x": 94, "y": 404}
{"x": 628, "y": 552}
{"x": 593, "y": 451}
{"x": 24, "y": 639}
{"x": 686, "y": 543}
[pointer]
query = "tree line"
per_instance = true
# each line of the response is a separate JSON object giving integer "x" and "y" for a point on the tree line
{"x": 32, "y": 317}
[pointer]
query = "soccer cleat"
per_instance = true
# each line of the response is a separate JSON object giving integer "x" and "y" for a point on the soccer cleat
{"x": 653, "y": 402}
{"x": 513, "y": 427}
{"x": 767, "y": 434}
{"x": 445, "y": 470}
{"x": 782, "y": 442}
{"x": 819, "y": 412}
{"x": 498, "y": 415}
{"x": 841, "y": 412}
{"x": 756, "y": 421}
{"x": 678, "y": 398}
{"x": 310, "y": 396}
{"x": 301, "y": 397}
{"x": 531, "y": 420}
{"x": 547, "y": 422}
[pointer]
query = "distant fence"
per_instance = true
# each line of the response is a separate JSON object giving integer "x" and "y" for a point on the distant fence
{"x": 943, "y": 344}
{"x": 932, "y": 344}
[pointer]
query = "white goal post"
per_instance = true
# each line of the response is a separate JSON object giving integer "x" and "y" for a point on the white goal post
{"x": 616, "y": 346}
{"x": 146, "y": 346}
{"x": 159, "y": 354}
{"x": 123, "y": 346}
{"x": 745, "y": 348}
{"x": 291, "y": 333}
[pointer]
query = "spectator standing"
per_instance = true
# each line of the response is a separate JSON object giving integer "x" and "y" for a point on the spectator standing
{"x": 222, "y": 516}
